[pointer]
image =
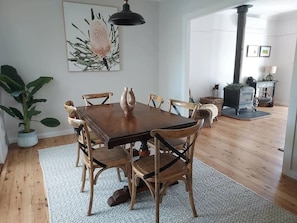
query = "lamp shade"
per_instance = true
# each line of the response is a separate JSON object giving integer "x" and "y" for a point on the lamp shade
{"x": 126, "y": 17}
{"x": 270, "y": 69}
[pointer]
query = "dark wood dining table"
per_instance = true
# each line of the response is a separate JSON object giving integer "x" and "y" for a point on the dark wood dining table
{"x": 111, "y": 125}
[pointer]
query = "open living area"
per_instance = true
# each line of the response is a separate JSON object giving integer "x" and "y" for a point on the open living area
{"x": 241, "y": 170}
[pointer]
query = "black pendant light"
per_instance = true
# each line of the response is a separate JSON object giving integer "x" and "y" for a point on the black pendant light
{"x": 126, "y": 17}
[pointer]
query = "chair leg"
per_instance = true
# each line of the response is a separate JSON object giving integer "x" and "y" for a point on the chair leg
{"x": 128, "y": 170}
{"x": 157, "y": 201}
{"x": 119, "y": 174}
{"x": 83, "y": 178}
{"x": 91, "y": 191}
{"x": 78, "y": 155}
{"x": 191, "y": 197}
{"x": 133, "y": 191}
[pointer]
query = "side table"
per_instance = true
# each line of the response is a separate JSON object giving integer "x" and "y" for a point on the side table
{"x": 264, "y": 92}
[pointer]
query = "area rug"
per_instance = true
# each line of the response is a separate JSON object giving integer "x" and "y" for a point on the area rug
{"x": 245, "y": 114}
{"x": 217, "y": 197}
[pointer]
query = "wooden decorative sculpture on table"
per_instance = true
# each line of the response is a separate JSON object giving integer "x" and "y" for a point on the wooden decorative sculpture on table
{"x": 127, "y": 101}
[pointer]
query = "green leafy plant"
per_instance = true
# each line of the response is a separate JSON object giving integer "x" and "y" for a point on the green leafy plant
{"x": 23, "y": 93}
{"x": 235, "y": 86}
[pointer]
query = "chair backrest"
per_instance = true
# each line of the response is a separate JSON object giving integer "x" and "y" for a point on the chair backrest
{"x": 83, "y": 136}
{"x": 178, "y": 107}
{"x": 186, "y": 152}
{"x": 97, "y": 98}
{"x": 72, "y": 114}
{"x": 71, "y": 109}
{"x": 155, "y": 101}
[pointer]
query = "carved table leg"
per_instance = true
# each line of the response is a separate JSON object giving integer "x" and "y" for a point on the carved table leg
{"x": 119, "y": 196}
{"x": 122, "y": 195}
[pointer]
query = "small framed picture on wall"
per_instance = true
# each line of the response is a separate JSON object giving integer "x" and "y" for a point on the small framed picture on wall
{"x": 265, "y": 51}
{"x": 252, "y": 51}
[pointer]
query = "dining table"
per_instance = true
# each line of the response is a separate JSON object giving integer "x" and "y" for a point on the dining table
{"x": 114, "y": 128}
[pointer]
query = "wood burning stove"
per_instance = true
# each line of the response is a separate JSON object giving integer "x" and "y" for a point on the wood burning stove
{"x": 239, "y": 98}
{"x": 237, "y": 95}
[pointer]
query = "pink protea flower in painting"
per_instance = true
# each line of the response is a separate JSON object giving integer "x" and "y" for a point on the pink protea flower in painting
{"x": 100, "y": 42}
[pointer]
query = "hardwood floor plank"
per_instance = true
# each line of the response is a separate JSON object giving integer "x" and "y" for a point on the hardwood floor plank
{"x": 17, "y": 188}
{"x": 39, "y": 200}
{"x": 246, "y": 151}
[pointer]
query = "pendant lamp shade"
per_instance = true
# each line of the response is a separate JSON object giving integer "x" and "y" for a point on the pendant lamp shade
{"x": 126, "y": 17}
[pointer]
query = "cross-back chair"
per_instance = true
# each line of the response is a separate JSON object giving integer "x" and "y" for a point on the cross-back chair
{"x": 181, "y": 108}
{"x": 163, "y": 169}
{"x": 97, "y": 98}
{"x": 100, "y": 98}
{"x": 155, "y": 101}
{"x": 100, "y": 158}
{"x": 72, "y": 113}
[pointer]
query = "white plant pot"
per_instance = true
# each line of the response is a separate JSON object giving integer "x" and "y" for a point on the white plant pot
{"x": 25, "y": 139}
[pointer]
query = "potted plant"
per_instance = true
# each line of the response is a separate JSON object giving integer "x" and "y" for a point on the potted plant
{"x": 23, "y": 93}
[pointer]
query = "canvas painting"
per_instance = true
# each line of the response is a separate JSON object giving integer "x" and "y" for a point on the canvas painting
{"x": 92, "y": 43}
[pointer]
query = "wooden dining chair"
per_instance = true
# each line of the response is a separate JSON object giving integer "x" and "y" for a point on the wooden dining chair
{"x": 181, "y": 108}
{"x": 101, "y": 98}
{"x": 155, "y": 101}
{"x": 97, "y": 98}
{"x": 161, "y": 170}
{"x": 100, "y": 158}
{"x": 72, "y": 113}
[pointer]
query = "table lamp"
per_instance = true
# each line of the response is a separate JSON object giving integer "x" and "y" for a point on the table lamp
{"x": 269, "y": 70}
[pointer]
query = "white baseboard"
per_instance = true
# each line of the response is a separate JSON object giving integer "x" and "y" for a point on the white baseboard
{"x": 46, "y": 135}
{"x": 280, "y": 103}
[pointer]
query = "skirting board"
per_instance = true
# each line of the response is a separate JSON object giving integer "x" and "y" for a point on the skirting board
{"x": 46, "y": 135}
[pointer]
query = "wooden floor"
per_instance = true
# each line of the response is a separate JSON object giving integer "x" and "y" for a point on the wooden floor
{"x": 246, "y": 151}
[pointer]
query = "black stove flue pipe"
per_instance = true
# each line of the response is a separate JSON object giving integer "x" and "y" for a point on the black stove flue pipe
{"x": 241, "y": 20}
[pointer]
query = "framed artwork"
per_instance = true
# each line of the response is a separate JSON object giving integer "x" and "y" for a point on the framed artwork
{"x": 252, "y": 51}
{"x": 265, "y": 51}
{"x": 92, "y": 43}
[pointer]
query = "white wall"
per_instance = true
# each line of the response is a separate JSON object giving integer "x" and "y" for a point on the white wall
{"x": 212, "y": 53}
{"x": 33, "y": 41}
{"x": 174, "y": 41}
{"x": 254, "y": 66}
{"x": 290, "y": 149}
{"x": 285, "y": 45}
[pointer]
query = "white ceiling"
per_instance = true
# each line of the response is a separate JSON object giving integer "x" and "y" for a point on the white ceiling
{"x": 270, "y": 8}
{"x": 273, "y": 9}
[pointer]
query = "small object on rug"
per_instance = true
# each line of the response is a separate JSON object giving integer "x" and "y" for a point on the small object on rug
{"x": 245, "y": 114}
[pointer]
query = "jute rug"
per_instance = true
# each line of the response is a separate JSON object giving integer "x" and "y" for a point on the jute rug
{"x": 217, "y": 197}
{"x": 245, "y": 114}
